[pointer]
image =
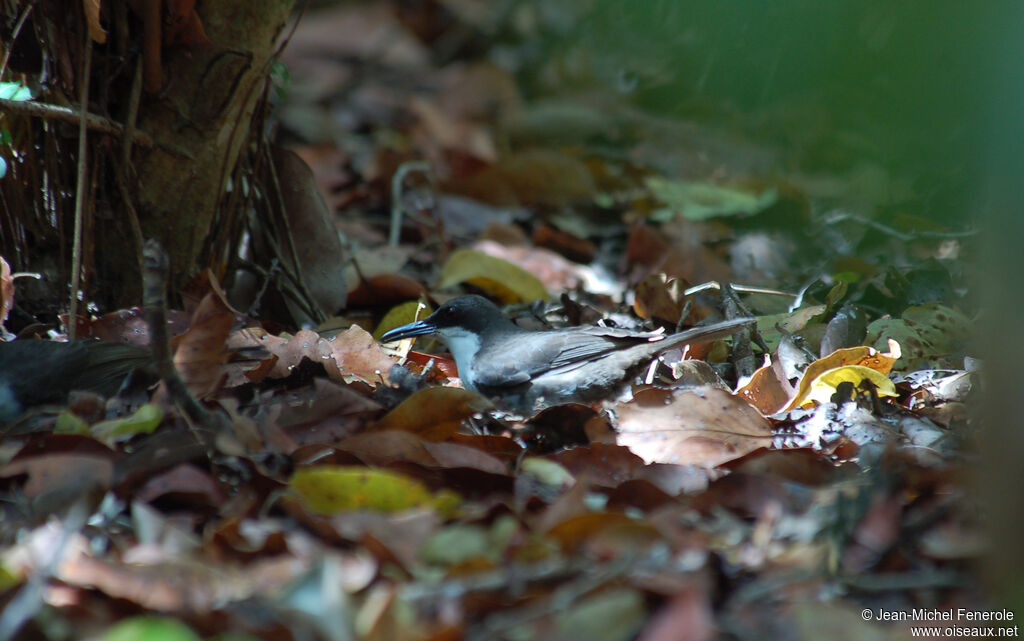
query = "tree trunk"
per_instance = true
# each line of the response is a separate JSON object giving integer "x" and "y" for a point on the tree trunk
{"x": 205, "y": 110}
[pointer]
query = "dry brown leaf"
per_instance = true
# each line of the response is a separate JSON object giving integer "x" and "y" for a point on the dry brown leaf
{"x": 173, "y": 585}
{"x": 358, "y": 357}
{"x": 438, "y": 131}
{"x": 705, "y": 426}
{"x": 600, "y": 528}
{"x": 533, "y": 177}
{"x": 564, "y": 243}
{"x": 435, "y": 413}
{"x": 61, "y": 471}
{"x": 764, "y": 390}
{"x": 185, "y": 482}
{"x": 92, "y": 18}
{"x": 384, "y": 289}
{"x": 663, "y": 298}
{"x": 201, "y": 351}
{"x": 382, "y": 448}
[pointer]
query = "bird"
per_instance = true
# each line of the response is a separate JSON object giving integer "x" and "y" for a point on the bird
{"x": 530, "y": 370}
{"x": 41, "y": 372}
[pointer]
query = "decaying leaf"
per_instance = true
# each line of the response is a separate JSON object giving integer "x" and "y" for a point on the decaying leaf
{"x": 926, "y": 333}
{"x": 200, "y": 352}
{"x": 765, "y": 391}
{"x": 358, "y": 357}
{"x": 825, "y": 385}
{"x": 509, "y": 283}
{"x": 329, "y": 489}
{"x": 92, "y": 17}
{"x": 704, "y": 426}
{"x": 853, "y": 356}
{"x": 435, "y": 413}
{"x": 352, "y": 355}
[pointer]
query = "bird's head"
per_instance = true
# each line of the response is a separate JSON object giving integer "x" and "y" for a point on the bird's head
{"x": 462, "y": 317}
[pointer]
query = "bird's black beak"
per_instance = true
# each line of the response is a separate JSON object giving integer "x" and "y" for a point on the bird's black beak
{"x": 419, "y": 328}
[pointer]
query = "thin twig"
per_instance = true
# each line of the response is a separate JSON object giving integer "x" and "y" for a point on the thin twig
{"x": 155, "y": 269}
{"x": 129, "y": 122}
{"x": 839, "y": 215}
{"x": 742, "y": 289}
{"x": 76, "y": 248}
{"x": 54, "y": 112}
{"x": 397, "y": 208}
{"x": 121, "y": 178}
{"x": 14, "y": 36}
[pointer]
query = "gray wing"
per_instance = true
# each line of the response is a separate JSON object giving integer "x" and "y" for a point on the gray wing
{"x": 561, "y": 349}
{"x": 568, "y": 347}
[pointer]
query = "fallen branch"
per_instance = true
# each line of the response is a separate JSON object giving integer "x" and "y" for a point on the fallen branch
{"x": 54, "y": 112}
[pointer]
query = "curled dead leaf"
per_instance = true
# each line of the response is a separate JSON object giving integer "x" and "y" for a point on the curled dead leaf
{"x": 863, "y": 356}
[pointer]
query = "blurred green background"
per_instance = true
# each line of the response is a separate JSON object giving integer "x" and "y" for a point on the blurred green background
{"x": 906, "y": 86}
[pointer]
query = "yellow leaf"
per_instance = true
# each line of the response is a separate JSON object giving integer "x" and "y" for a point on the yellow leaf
{"x": 145, "y": 419}
{"x": 862, "y": 356}
{"x": 824, "y": 386}
{"x": 334, "y": 489}
{"x": 435, "y": 413}
{"x": 508, "y": 282}
{"x": 399, "y": 315}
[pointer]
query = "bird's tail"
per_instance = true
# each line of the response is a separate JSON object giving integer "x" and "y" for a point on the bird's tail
{"x": 706, "y": 333}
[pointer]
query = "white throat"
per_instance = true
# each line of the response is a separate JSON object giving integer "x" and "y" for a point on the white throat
{"x": 464, "y": 346}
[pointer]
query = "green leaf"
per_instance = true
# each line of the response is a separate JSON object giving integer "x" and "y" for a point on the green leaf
{"x": 281, "y": 79}
{"x": 143, "y": 421}
{"x": 149, "y": 628}
{"x": 334, "y": 489}
{"x": 70, "y": 423}
{"x": 15, "y": 91}
{"x": 702, "y": 200}
{"x": 611, "y": 615}
{"x": 457, "y": 544}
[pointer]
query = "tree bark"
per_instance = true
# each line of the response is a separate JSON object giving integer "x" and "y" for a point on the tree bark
{"x": 205, "y": 109}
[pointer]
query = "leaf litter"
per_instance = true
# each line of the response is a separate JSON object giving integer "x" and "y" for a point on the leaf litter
{"x": 359, "y": 499}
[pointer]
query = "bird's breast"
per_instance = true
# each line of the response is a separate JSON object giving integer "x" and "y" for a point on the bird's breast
{"x": 464, "y": 347}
